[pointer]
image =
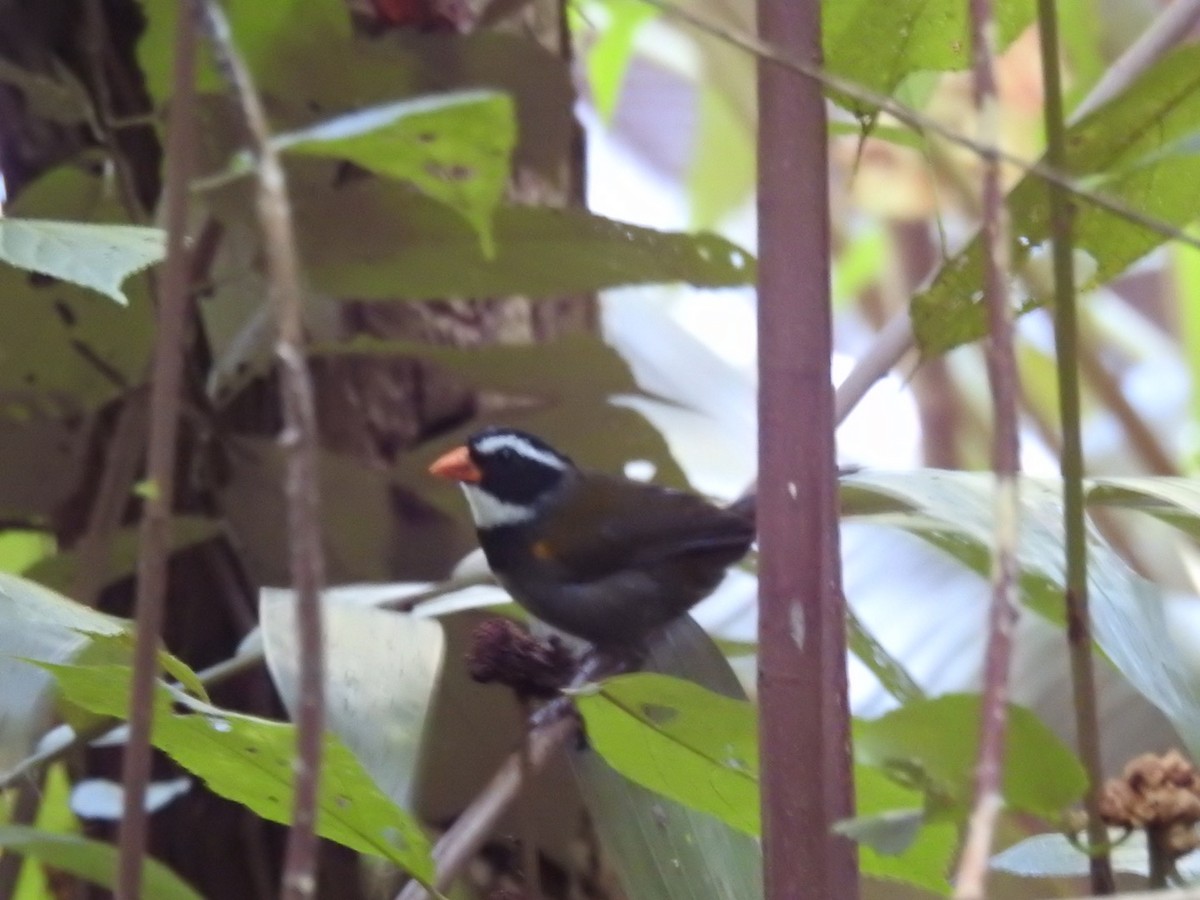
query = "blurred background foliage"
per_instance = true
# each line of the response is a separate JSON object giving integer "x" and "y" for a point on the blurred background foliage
{"x": 542, "y": 214}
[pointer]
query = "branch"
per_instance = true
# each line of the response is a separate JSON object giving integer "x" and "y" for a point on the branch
{"x": 1002, "y": 376}
{"x": 1066, "y": 332}
{"x": 155, "y": 532}
{"x": 301, "y": 443}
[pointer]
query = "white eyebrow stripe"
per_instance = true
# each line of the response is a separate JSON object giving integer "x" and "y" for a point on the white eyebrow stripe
{"x": 491, "y": 512}
{"x": 494, "y": 442}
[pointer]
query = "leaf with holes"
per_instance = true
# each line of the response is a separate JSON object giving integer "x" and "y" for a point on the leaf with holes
{"x": 250, "y": 761}
{"x": 455, "y": 148}
{"x": 381, "y": 241}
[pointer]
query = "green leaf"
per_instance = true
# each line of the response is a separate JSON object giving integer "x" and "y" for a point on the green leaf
{"x": 896, "y": 841}
{"x": 721, "y": 174}
{"x": 94, "y": 861}
{"x": 273, "y": 38}
{"x": 935, "y": 742}
{"x": 118, "y": 649}
{"x": 610, "y": 52}
{"x": 680, "y": 740}
{"x": 249, "y": 760}
{"x": 1127, "y": 135}
{"x": 21, "y": 548}
{"x": 879, "y": 44}
{"x": 377, "y": 241}
{"x": 455, "y": 148}
{"x": 99, "y": 257}
{"x": 59, "y": 570}
{"x": 700, "y": 749}
{"x": 54, "y": 816}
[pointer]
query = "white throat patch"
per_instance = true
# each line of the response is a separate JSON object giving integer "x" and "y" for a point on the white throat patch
{"x": 490, "y": 512}
{"x": 495, "y": 442}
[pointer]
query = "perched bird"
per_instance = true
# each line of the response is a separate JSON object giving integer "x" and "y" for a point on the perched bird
{"x": 597, "y": 556}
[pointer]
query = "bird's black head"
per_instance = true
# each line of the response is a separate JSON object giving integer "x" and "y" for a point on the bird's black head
{"x": 506, "y": 474}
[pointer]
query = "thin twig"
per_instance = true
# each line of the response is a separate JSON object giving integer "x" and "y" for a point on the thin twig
{"x": 1002, "y": 376}
{"x": 1066, "y": 333}
{"x": 300, "y": 440}
{"x": 155, "y": 532}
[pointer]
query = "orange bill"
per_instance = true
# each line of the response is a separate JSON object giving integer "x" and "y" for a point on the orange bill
{"x": 456, "y": 465}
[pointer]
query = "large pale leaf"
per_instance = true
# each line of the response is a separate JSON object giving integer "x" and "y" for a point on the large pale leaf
{"x": 250, "y": 760}
{"x": 94, "y": 256}
{"x": 381, "y": 670}
{"x": 452, "y": 147}
{"x": 954, "y": 511}
{"x": 91, "y": 860}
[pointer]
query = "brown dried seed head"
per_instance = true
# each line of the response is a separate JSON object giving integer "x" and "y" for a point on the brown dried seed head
{"x": 503, "y": 652}
{"x": 1160, "y": 794}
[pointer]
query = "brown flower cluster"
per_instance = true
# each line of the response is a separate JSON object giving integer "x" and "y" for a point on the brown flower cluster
{"x": 1160, "y": 794}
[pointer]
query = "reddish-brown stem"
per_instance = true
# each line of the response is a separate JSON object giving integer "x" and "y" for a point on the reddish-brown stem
{"x": 154, "y": 538}
{"x": 1002, "y": 376}
{"x": 301, "y": 446}
{"x": 804, "y": 725}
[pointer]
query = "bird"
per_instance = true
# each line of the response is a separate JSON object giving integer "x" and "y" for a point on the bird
{"x": 598, "y": 556}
